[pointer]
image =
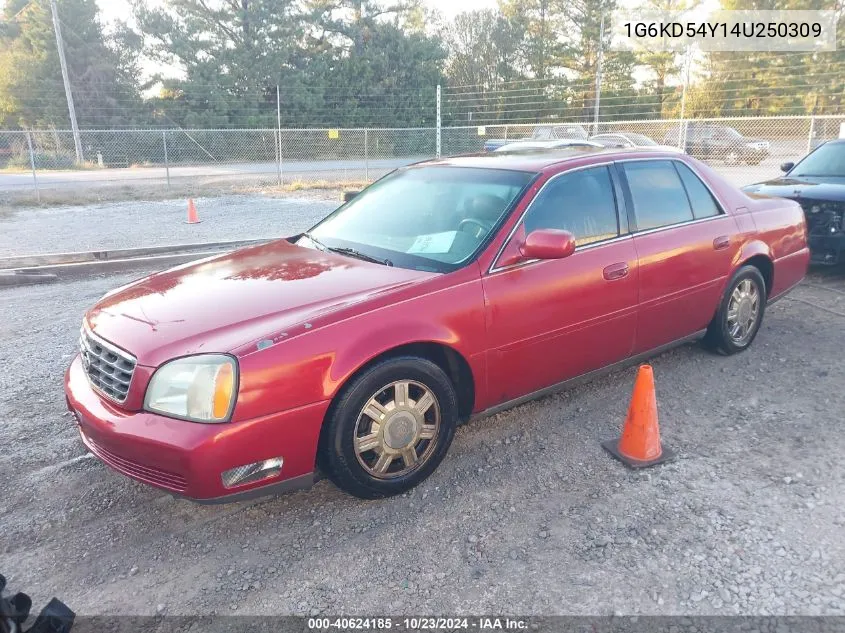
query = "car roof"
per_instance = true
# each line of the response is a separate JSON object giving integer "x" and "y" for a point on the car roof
{"x": 543, "y": 159}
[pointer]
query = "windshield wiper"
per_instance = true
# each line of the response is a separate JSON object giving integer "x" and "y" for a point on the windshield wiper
{"x": 359, "y": 255}
{"x": 351, "y": 252}
{"x": 317, "y": 242}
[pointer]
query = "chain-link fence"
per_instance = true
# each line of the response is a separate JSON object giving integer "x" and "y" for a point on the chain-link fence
{"x": 31, "y": 162}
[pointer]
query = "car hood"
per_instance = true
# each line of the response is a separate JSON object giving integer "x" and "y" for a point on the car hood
{"x": 805, "y": 187}
{"x": 226, "y": 301}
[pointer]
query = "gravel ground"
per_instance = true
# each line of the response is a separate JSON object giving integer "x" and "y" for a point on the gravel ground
{"x": 526, "y": 515}
{"x": 144, "y": 223}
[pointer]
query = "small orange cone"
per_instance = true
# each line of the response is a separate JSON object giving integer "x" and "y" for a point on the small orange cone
{"x": 640, "y": 445}
{"x": 193, "y": 216}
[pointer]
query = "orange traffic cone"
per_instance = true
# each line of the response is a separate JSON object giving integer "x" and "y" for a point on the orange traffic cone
{"x": 193, "y": 216}
{"x": 640, "y": 445}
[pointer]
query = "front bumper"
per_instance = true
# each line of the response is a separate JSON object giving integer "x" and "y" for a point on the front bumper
{"x": 187, "y": 458}
{"x": 826, "y": 249}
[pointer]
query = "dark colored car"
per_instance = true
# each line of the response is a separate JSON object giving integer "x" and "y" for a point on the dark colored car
{"x": 817, "y": 183}
{"x": 556, "y": 132}
{"x": 719, "y": 142}
{"x": 446, "y": 290}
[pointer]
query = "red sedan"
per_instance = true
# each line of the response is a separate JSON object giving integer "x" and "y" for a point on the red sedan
{"x": 446, "y": 290}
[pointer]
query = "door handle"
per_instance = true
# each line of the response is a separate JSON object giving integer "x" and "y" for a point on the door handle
{"x": 615, "y": 271}
{"x": 723, "y": 241}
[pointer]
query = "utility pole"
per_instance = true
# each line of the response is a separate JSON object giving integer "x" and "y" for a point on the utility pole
{"x": 599, "y": 61}
{"x": 71, "y": 110}
{"x": 279, "y": 130}
{"x": 437, "y": 133}
{"x": 682, "y": 131}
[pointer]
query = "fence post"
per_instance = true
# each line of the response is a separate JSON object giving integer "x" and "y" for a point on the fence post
{"x": 166, "y": 158}
{"x": 32, "y": 164}
{"x": 810, "y": 136}
{"x": 279, "y": 128}
{"x": 437, "y": 152}
{"x": 366, "y": 155}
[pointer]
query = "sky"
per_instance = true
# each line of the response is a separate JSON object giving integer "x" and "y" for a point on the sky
{"x": 112, "y": 9}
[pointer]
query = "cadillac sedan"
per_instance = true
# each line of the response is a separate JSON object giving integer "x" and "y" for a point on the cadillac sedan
{"x": 446, "y": 290}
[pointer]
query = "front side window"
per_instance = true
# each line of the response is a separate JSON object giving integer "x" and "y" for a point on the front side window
{"x": 581, "y": 202}
{"x": 658, "y": 195}
{"x": 428, "y": 218}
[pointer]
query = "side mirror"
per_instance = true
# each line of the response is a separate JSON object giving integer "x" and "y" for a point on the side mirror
{"x": 348, "y": 195}
{"x": 548, "y": 244}
{"x": 785, "y": 167}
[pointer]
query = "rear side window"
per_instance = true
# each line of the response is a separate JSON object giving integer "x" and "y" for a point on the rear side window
{"x": 703, "y": 203}
{"x": 658, "y": 195}
{"x": 581, "y": 202}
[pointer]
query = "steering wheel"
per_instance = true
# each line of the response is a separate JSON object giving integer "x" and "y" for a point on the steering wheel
{"x": 479, "y": 227}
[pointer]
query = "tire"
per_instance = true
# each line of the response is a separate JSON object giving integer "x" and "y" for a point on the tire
{"x": 394, "y": 424}
{"x": 722, "y": 334}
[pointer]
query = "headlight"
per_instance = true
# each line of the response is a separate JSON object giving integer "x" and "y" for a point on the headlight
{"x": 197, "y": 388}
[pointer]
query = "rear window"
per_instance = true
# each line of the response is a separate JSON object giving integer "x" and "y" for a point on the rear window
{"x": 702, "y": 201}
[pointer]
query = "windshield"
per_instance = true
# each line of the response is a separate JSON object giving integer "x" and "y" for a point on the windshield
{"x": 827, "y": 160}
{"x": 730, "y": 132}
{"x": 427, "y": 218}
{"x": 640, "y": 139}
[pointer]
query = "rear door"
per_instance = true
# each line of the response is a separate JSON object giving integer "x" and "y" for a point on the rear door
{"x": 550, "y": 320}
{"x": 686, "y": 244}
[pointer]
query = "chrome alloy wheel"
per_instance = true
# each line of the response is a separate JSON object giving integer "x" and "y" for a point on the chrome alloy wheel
{"x": 397, "y": 429}
{"x": 743, "y": 311}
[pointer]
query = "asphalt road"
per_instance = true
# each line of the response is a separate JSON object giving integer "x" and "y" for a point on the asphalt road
{"x": 73, "y": 179}
{"x": 306, "y": 170}
{"x": 526, "y": 515}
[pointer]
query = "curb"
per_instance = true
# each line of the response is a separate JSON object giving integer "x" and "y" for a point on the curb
{"x": 11, "y": 278}
{"x": 49, "y": 259}
{"x": 52, "y": 267}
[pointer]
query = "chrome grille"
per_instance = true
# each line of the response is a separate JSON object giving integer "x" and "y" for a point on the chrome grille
{"x": 109, "y": 368}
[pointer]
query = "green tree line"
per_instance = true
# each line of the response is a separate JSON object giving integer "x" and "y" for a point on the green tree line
{"x": 376, "y": 63}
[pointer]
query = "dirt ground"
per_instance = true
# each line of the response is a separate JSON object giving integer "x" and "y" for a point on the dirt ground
{"x": 526, "y": 515}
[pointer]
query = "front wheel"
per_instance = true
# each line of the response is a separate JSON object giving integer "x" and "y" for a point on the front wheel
{"x": 390, "y": 428}
{"x": 740, "y": 313}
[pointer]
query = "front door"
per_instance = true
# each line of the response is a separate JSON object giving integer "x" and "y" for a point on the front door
{"x": 551, "y": 320}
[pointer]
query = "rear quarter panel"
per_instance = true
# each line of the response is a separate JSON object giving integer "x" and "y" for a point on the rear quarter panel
{"x": 772, "y": 227}
{"x": 781, "y": 232}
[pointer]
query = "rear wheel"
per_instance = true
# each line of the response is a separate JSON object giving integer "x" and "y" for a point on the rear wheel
{"x": 740, "y": 313}
{"x": 390, "y": 428}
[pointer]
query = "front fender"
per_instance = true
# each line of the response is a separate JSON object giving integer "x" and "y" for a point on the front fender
{"x": 312, "y": 367}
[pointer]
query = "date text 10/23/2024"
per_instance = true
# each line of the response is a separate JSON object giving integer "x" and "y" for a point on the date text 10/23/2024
{"x": 422, "y": 623}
